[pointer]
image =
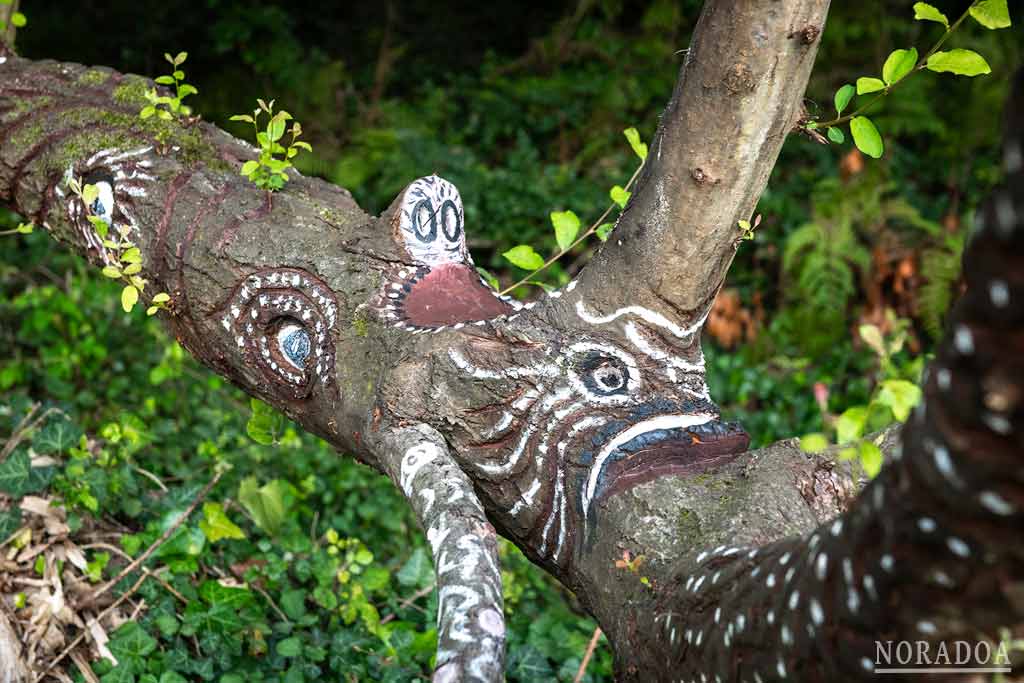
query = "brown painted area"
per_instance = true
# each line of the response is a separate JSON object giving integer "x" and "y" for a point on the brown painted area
{"x": 451, "y": 293}
{"x": 674, "y": 458}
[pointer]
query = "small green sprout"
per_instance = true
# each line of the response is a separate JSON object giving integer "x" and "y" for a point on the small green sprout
{"x": 268, "y": 171}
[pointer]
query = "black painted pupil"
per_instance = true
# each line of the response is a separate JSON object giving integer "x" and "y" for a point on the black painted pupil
{"x": 296, "y": 346}
{"x": 605, "y": 374}
{"x": 424, "y": 221}
{"x": 450, "y": 221}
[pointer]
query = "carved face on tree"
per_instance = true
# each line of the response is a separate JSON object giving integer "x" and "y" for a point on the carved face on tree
{"x": 574, "y": 419}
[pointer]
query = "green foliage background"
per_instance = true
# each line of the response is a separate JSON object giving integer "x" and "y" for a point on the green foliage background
{"x": 523, "y": 110}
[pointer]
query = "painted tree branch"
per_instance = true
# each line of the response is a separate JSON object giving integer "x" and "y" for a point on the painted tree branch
{"x": 581, "y": 423}
{"x": 471, "y": 621}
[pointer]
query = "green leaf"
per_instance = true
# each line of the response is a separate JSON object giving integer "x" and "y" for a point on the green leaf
{"x": 216, "y": 525}
{"x": 113, "y": 272}
{"x": 872, "y": 336}
{"x": 293, "y": 603}
{"x": 867, "y": 85}
{"x": 870, "y": 458}
{"x": 991, "y": 14}
{"x": 18, "y": 19}
{"x": 242, "y": 117}
{"x": 567, "y": 227}
{"x": 250, "y": 167}
{"x": 265, "y": 503}
{"x": 90, "y": 193}
{"x": 265, "y": 424}
{"x": 418, "y": 570}
{"x": 836, "y": 135}
{"x": 132, "y": 255}
{"x": 275, "y": 129}
{"x": 843, "y": 97}
{"x": 131, "y": 642}
{"x": 523, "y": 256}
{"x": 185, "y": 90}
{"x": 164, "y": 80}
{"x": 850, "y": 425}
{"x": 147, "y": 111}
{"x": 620, "y": 195}
{"x": 56, "y": 437}
{"x": 488, "y": 277}
{"x": 129, "y": 297}
{"x": 813, "y": 443}
{"x": 960, "y": 62}
{"x": 15, "y": 474}
{"x": 866, "y": 136}
{"x": 162, "y": 297}
{"x": 639, "y": 148}
{"x": 119, "y": 674}
{"x": 898, "y": 64}
{"x": 603, "y": 231}
{"x": 178, "y": 74}
{"x": 900, "y": 396}
{"x": 289, "y": 647}
{"x": 26, "y": 228}
{"x": 100, "y": 225}
{"x": 925, "y": 12}
{"x": 180, "y": 58}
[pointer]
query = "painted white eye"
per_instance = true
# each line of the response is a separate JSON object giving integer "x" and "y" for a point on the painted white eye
{"x": 103, "y": 206}
{"x": 450, "y": 222}
{"x": 424, "y": 221}
{"x": 293, "y": 341}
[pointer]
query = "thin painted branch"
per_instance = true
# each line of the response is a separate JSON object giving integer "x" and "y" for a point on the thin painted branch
{"x": 470, "y": 617}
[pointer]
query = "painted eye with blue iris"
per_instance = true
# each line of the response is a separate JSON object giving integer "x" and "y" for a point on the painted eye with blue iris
{"x": 294, "y": 344}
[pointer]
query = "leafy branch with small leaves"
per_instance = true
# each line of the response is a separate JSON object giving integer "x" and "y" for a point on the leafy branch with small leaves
{"x": 902, "y": 63}
{"x": 22, "y": 229}
{"x": 126, "y": 257}
{"x": 268, "y": 171}
{"x": 168, "y": 107}
{"x": 567, "y": 228}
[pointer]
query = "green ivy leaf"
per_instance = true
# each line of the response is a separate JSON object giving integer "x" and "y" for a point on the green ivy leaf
{"x": 900, "y": 396}
{"x": 850, "y": 425}
{"x": 925, "y": 12}
{"x": 898, "y": 64}
{"x": 15, "y": 474}
{"x": 56, "y": 437}
{"x": 289, "y": 647}
{"x": 836, "y": 135}
{"x": 640, "y": 148}
{"x": 131, "y": 642}
{"x": 215, "y": 524}
{"x": 866, "y": 136}
{"x": 960, "y": 62}
{"x": 991, "y": 14}
{"x": 843, "y": 96}
{"x": 567, "y": 227}
{"x": 866, "y": 85}
{"x": 620, "y": 196}
{"x": 265, "y": 503}
{"x": 813, "y": 443}
{"x": 523, "y": 256}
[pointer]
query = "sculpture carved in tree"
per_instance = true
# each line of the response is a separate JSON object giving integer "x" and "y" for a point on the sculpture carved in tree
{"x": 574, "y": 425}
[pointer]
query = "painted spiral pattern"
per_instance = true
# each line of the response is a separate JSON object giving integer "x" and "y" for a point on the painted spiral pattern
{"x": 282, "y": 320}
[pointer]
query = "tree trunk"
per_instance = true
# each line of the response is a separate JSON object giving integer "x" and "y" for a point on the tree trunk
{"x": 580, "y": 425}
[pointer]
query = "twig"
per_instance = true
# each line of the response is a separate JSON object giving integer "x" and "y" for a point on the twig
{"x": 407, "y": 602}
{"x": 152, "y": 477}
{"x": 132, "y": 566}
{"x": 590, "y": 231}
{"x": 169, "y": 587}
{"x": 18, "y": 434}
{"x": 273, "y": 605}
{"x": 64, "y": 653}
{"x": 587, "y": 655}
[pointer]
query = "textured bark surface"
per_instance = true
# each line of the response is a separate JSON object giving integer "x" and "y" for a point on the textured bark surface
{"x": 581, "y": 425}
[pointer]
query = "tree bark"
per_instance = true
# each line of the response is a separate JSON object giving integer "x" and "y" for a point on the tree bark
{"x": 580, "y": 425}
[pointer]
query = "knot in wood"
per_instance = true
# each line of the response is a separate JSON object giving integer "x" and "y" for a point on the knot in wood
{"x": 807, "y": 35}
